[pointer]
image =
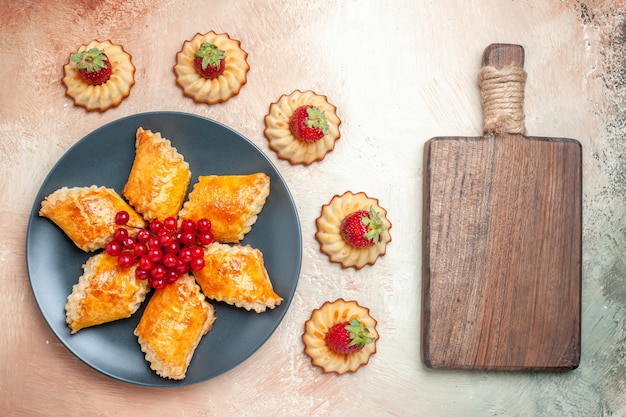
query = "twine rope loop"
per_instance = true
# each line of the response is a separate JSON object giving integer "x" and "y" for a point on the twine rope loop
{"x": 502, "y": 93}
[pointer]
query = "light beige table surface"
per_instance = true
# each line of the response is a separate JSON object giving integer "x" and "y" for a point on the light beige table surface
{"x": 400, "y": 72}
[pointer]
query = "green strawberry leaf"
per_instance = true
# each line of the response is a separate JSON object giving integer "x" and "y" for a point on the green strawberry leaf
{"x": 316, "y": 119}
{"x": 375, "y": 224}
{"x": 210, "y": 54}
{"x": 358, "y": 334}
{"x": 92, "y": 60}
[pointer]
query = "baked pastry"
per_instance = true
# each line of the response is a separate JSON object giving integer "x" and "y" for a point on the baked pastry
{"x": 231, "y": 202}
{"x": 281, "y": 137}
{"x": 87, "y": 214}
{"x": 172, "y": 325}
{"x": 159, "y": 178}
{"x": 329, "y": 236}
{"x": 320, "y": 323}
{"x": 104, "y": 293}
{"x": 101, "y": 97}
{"x": 236, "y": 275}
{"x": 233, "y": 67}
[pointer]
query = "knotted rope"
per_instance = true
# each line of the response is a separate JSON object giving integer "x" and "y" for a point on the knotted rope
{"x": 502, "y": 93}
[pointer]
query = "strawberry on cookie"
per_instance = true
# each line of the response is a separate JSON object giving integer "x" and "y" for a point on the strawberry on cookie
{"x": 340, "y": 336}
{"x": 211, "y": 68}
{"x": 302, "y": 127}
{"x": 353, "y": 230}
{"x": 99, "y": 75}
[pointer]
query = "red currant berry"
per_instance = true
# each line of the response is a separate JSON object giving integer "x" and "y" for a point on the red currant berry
{"x": 205, "y": 238}
{"x": 182, "y": 267}
{"x": 120, "y": 234}
{"x": 129, "y": 243}
{"x": 155, "y": 255}
{"x": 197, "y": 252}
{"x": 125, "y": 259}
{"x": 188, "y": 225}
{"x": 196, "y": 264}
{"x": 171, "y": 248}
{"x": 155, "y": 226}
{"x": 154, "y": 242}
{"x": 113, "y": 248}
{"x": 204, "y": 225}
{"x": 121, "y": 218}
{"x": 188, "y": 238}
{"x": 143, "y": 235}
{"x": 158, "y": 283}
{"x": 171, "y": 275}
{"x": 157, "y": 271}
{"x": 170, "y": 223}
{"x": 141, "y": 274}
{"x": 145, "y": 263}
{"x": 140, "y": 249}
{"x": 165, "y": 238}
{"x": 170, "y": 260}
{"x": 185, "y": 255}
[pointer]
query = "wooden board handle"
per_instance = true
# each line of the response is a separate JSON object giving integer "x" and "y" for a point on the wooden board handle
{"x": 502, "y": 80}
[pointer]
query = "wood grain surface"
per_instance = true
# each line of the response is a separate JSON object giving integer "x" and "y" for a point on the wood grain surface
{"x": 502, "y": 248}
{"x": 399, "y": 73}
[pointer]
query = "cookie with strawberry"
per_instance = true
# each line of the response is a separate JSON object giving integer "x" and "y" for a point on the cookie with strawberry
{"x": 211, "y": 68}
{"x": 302, "y": 127}
{"x": 340, "y": 336}
{"x": 99, "y": 75}
{"x": 353, "y": 230}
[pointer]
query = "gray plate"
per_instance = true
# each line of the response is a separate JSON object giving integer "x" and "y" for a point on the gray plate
{"x": 105, "y": 157}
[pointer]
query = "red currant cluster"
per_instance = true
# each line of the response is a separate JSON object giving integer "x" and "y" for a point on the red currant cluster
{"x": 162, "y": 250}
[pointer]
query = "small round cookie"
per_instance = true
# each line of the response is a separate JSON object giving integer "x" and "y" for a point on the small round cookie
{"x": 101, "y": 97}
{"x": 226, "y": 79}
{"x": 319, "y": 325}
{"x": 329, "y": 234}
{"x": 302, "y": 145}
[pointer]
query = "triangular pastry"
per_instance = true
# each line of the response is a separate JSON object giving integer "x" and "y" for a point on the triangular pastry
{"x": 104, "y": 293}
{"x": 159, "y": 178}
{"x": 236, "y": 275}
{"x": 231, "y": 202}
{"x": 174, "y": 321}
{"x": 87, "y": 214}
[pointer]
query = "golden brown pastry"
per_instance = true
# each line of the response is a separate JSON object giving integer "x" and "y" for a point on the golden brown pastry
{"x": 325, "y": 317}
{"x": 87, "y": 214}
{"x": 236, "y": 275}
{"x": 281, "y": 138}
{"x": 231, "y": 202}
{"x": 172, "y": 325}
{"x": 328, "y": 232}
{"x": 104, "y": 293}
{"x": 159, "y": 178}
{"x": 109, "y": 94}
{"x": 224, "y": 86}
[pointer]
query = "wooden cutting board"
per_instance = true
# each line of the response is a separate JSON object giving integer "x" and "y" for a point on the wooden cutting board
{"x": 502, "y": 238}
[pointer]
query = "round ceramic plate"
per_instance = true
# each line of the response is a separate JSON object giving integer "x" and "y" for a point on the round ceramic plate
{"x": 105, "y": 157}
